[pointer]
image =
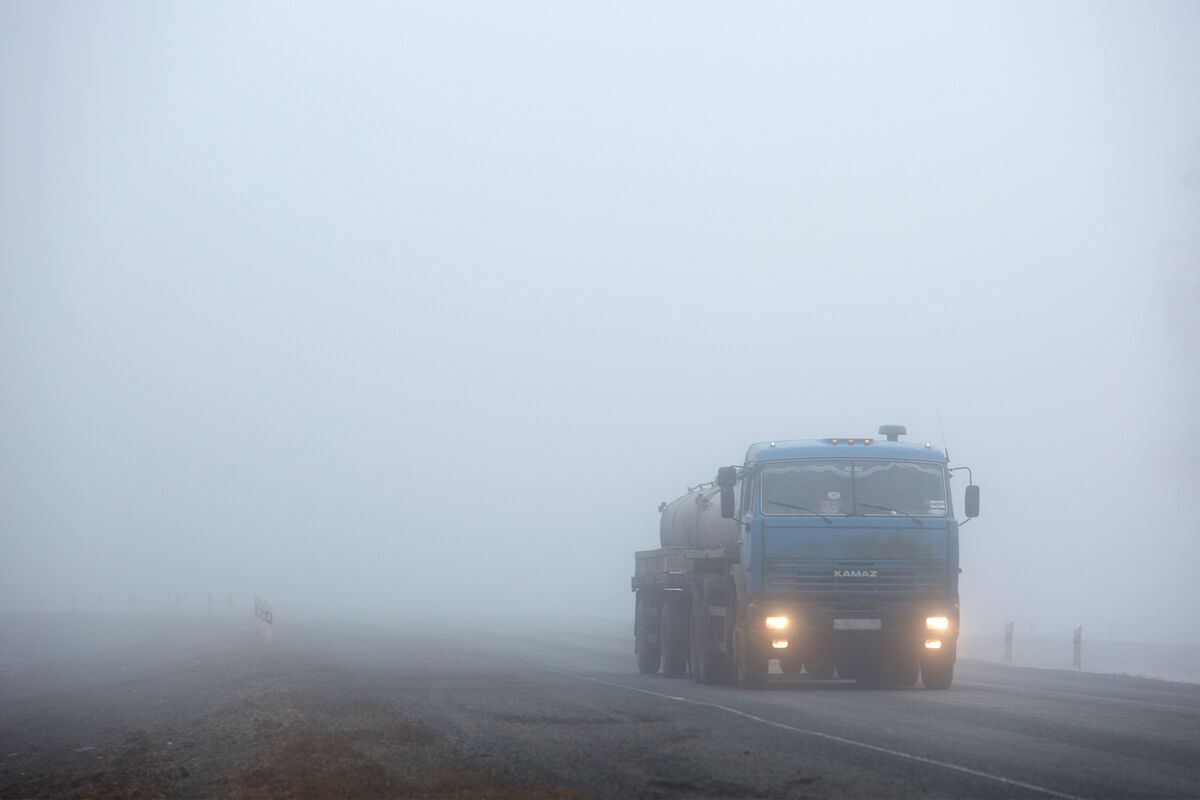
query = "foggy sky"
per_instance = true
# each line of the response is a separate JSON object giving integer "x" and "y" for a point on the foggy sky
{"x": 423, "y": 308}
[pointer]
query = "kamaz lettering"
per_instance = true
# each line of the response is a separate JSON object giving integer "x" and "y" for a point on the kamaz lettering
{"x": 856, "y": 573}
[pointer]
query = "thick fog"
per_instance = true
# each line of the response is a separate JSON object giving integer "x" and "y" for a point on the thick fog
{"x": 424, "y": 308}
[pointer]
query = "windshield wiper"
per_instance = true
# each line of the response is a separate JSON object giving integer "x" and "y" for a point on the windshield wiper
{"x": 799, "y": 508}
{"x": 893, "y": 510}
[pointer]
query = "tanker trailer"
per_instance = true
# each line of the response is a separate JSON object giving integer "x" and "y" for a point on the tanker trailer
{"x": 832, "y": 556}
{"x": 684, "y": 582}
{"x": 695, "y": 521}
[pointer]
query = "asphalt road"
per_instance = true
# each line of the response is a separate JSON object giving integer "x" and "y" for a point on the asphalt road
{"x": 560, "y": 709}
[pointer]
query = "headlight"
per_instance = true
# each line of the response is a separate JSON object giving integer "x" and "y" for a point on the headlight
{"x": 937, "y": 623}
{"x": 777, "y": 623}
{"x": 779, "y": 644}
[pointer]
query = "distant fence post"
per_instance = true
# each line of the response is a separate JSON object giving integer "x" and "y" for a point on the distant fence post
{"x": 1079, "y": 648}
{"x": 1008, "y": 639}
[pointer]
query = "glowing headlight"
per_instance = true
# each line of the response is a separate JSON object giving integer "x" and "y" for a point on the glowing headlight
{"x": 934, "y": 644}
{"x": 937, "y": 623}
{"x": 777, "y": 623}
{"x": 779, "y": 644}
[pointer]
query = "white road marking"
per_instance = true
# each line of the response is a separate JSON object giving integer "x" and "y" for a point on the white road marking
{"x": 827, "y": 736}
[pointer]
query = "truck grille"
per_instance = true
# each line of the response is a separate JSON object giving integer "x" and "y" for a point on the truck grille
{"x": 789, "y": 575}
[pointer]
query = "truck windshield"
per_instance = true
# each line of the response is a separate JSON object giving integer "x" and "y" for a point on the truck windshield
{"x": 875, "y": 487}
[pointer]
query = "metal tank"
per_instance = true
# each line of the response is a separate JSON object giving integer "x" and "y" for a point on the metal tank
{"x": 694, "y": 520}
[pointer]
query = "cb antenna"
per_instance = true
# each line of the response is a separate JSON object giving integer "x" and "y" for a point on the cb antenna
{"x": 942, "y": 430}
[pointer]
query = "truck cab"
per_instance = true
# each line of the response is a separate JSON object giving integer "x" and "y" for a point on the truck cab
{"x": 849, "y": 559}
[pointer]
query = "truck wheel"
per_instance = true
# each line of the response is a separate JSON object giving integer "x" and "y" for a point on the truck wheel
{"x": 674, "y": 637}
{"x": 751, "y": 661}
{"x": 937, "y": 670}
{"x": 721, "y": 663}
{"x": 696, "y": 640}
{"x": 708, "y": 664}
{"x": 646, "y": 631}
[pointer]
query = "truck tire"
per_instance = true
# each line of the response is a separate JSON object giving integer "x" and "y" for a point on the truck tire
{"x": 937, "y": 668}
{"x": 646, "y": 631}
{"x": 674, "y": 637}
{"x": 709, "y": 665}
{"x": 752, "y": 663}
{"x": 695, "y": 642}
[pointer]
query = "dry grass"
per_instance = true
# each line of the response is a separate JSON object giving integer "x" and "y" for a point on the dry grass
{"x": 251, "y": 725}
{"x": 303, "y": 762}
{"x": 320, "y": 749}
{"x": 138, "y": 769}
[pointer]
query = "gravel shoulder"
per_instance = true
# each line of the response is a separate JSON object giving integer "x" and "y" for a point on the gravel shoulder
{"x": 212, "y": 711}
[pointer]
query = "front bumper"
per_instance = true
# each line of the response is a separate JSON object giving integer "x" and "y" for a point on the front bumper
{"x": 820, "y": 625}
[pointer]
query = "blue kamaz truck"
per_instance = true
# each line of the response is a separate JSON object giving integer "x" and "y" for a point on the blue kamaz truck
{"x": 834, "y": 556}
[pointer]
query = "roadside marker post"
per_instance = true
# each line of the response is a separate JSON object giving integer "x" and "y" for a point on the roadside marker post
{"x": 266, "y": 618}
{"x": 1079, "y": 649}
{"x": 1008, "y": 642}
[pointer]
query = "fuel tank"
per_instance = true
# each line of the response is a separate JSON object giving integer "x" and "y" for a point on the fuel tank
{"x": 694, "y": 520}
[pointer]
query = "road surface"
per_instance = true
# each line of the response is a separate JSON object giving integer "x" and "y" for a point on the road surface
{"x": 374, "y": 708}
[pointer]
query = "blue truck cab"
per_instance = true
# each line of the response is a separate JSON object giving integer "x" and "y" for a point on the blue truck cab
{"x": 835, "y": 556}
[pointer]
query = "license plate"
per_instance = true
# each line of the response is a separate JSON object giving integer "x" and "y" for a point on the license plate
{"x": 857, "y": 624}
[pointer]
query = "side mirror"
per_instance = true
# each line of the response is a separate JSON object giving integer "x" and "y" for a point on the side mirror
{"x": 972, "y": 501}
{"x": 726, "y": 478}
